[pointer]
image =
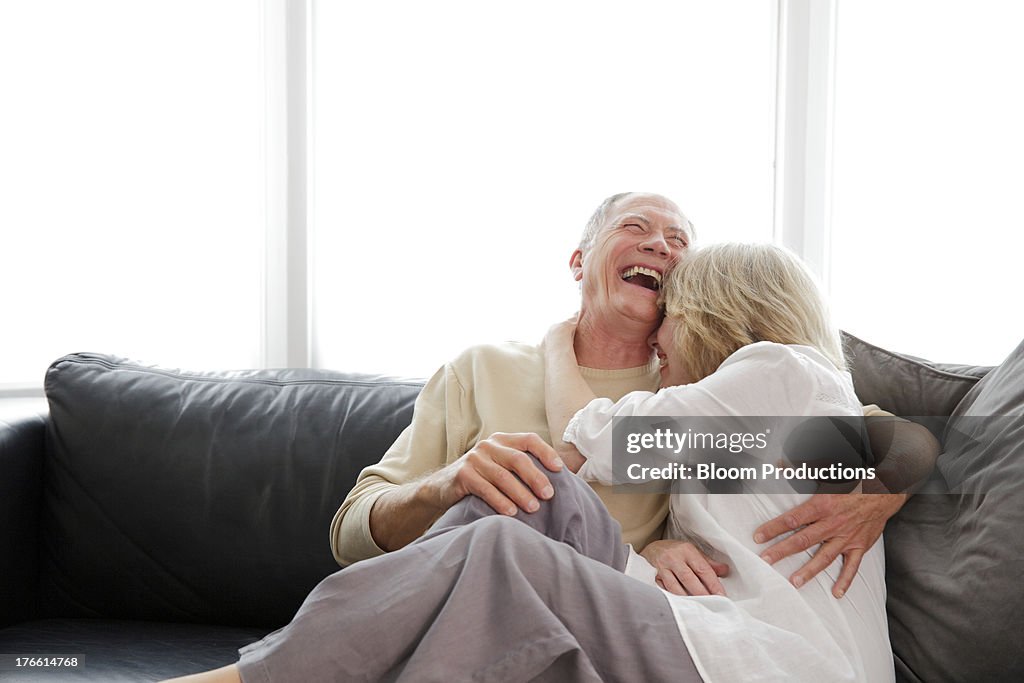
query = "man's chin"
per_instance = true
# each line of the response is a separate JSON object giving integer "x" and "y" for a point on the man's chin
{"x": 641, "y": 313}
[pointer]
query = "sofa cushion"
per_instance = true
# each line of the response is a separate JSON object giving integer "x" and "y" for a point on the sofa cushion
{"x": 953, "y": 561}
{"x": 202, "y": 497}
{"x": 904, "y": 385}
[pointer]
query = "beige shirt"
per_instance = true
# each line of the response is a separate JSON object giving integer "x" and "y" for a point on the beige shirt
{"x": 487, "y": 389}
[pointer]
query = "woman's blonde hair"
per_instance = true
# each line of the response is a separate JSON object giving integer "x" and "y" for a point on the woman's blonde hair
{"x": 729, "y": 295}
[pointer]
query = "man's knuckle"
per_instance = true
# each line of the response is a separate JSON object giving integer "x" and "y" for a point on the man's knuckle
{"x": 518, "y": 458}
{"x": 480, "y": 452}
{"x": 463, "y": 475}
{"x": 514, "y": 459}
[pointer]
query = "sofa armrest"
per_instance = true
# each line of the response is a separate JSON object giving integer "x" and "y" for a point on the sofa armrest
{"x": 21, "y": 490}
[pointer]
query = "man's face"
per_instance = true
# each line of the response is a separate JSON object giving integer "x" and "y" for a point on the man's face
{"x": 622, "y": 271}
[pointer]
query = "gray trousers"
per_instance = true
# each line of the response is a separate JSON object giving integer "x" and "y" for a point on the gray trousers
{"x": 483, "y": 597}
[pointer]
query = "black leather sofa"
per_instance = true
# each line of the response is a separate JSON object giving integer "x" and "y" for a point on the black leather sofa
{"x": 152, "y": 521}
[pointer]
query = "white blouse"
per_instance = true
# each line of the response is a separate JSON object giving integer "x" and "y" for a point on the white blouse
{"x": 765, "y": 629}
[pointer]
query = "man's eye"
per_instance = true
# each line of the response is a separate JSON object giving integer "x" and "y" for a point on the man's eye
{"x": 634, "y": 226}
{"x": 680, "y": 240}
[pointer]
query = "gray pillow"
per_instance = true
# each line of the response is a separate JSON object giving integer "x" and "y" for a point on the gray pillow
{"x": 954, "y": 561}
{"x": 905, "y": 385}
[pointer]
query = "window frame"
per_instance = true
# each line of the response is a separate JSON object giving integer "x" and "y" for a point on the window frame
{"x": 805, "y": 67}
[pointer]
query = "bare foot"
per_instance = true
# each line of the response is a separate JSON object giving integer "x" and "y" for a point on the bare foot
{"x": 225, "y": 674}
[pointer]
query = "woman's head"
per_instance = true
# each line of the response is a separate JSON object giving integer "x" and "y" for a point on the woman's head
{"x": 726, "y": 296}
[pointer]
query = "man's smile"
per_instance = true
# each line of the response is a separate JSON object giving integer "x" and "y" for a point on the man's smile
{"x": 642, "y": 276}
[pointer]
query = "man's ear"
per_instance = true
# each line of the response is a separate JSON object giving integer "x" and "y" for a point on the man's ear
{"x": 576, "y": 265}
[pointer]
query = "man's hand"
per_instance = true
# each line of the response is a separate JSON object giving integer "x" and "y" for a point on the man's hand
{"x": 402, "y": 514}
{"x": 845, "y": 524}
{"x": 499, "y": 471}
{"x": 684, "y": 570}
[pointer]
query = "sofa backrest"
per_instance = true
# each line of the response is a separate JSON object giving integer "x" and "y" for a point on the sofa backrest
{"x": 954, "y": 559}
{"x": 205, "y": 497}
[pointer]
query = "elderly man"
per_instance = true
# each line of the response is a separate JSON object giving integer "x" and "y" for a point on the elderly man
{"x": 480, "y": 415}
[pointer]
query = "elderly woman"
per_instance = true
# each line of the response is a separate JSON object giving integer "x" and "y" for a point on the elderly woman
{"x": 746, "y": 333}
{"x": 484, "y": 596}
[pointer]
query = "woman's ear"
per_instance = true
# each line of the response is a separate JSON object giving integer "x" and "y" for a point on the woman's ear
{"x": 576, "y": 265}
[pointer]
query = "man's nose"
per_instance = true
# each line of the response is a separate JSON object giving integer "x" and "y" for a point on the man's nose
{"x": 656, "y": 244}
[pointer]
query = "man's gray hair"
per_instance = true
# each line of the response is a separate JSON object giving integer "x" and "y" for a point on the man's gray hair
{"x": 598, "y": 219}
{"x": 600, "y": 216}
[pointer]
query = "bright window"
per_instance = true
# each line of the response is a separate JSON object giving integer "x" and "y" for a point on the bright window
{"x": 927, "y": 230}
{"x": 131, "y": 178}
{"x": 461, "y": 146}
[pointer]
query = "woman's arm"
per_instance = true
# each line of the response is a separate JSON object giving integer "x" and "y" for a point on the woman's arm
{"x": 565, "y": 390}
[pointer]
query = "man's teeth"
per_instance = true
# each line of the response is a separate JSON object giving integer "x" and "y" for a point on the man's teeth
{"x": 640, "y": 270}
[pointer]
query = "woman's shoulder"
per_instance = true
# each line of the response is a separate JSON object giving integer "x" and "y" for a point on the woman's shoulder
{"x": 772, "y": 353}
{"x": 797, "y": 369}
{"x": 766, "y": 367}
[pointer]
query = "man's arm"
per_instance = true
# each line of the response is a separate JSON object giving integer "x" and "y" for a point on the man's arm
{"x": 400, "y": 515}
{"x": 394, "y": 501}
{"x": 906, "y": 454}
{"x": 849, "y": 524}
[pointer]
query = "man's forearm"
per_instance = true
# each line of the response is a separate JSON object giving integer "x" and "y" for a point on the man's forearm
{"x": 905, "y": 454}
{"x": 498, "y": 470}
{"x": 401, "y": 515}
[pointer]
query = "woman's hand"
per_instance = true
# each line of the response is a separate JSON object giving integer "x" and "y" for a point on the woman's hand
{"x": 683, "y": 569}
